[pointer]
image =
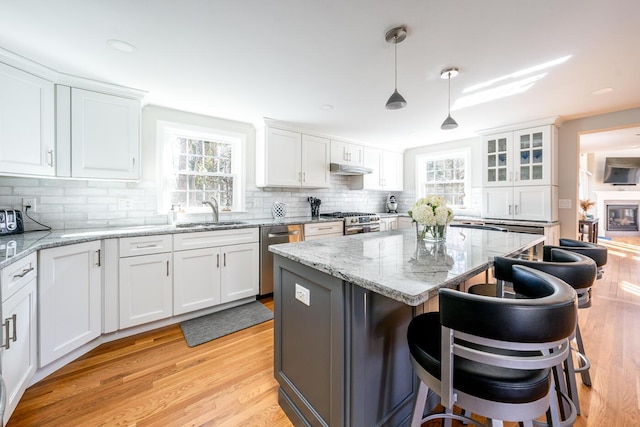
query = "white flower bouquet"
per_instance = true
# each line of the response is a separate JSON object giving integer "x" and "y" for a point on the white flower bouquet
{"x": 431, "y": 216}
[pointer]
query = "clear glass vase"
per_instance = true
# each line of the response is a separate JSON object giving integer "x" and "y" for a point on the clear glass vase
{"x": 432, "y": 233}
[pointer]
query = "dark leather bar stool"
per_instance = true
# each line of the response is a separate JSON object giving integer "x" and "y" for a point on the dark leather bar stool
{"x": 577, "y": 270}
{"x": 598, "y": 254}
{"x": 499, "y": 372}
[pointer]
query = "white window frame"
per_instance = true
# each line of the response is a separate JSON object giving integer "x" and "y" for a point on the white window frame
{"x": 166, "y": 133}
{"x": 421, "y": 159}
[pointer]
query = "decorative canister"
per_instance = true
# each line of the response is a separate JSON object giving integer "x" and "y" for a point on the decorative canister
{"x": 279, "y": 210}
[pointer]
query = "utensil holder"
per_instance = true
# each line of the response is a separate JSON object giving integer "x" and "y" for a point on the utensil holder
{"x": 315, "y": 211}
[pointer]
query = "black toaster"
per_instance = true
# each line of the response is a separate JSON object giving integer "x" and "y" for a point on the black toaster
{"x": 10, "y": 222}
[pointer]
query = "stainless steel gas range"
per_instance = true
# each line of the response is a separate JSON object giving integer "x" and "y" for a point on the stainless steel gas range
{"x": 357, "y": 222}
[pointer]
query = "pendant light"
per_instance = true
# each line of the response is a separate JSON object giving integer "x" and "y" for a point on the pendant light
{"x": 448, "y": 74}
{"x": 395, "y": 36}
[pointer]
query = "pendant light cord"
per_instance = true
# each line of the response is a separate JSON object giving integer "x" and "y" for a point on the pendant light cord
{"x": 395, "y": 61}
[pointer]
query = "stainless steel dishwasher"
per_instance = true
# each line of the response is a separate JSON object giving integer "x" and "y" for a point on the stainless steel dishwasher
{"x": 271, "y": 235}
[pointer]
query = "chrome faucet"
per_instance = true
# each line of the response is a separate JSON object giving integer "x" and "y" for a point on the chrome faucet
{"x": 214, "y": 207}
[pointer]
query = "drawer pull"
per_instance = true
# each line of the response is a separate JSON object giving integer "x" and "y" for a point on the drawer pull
{"x": 167, "y": 268}
{"x": 24, "y": 272}
{"x": 218, "y": 261}
{"x": 7, "y": 338}
{"x": 153, "y": 245}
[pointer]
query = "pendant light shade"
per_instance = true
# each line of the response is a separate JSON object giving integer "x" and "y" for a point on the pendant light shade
{"x": 395, "y": 36}
{"x": 449, "y": 122}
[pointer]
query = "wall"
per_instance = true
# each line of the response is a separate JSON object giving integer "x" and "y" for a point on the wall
{"x": 568, "y": 156}
{"x": 69, "y": 204}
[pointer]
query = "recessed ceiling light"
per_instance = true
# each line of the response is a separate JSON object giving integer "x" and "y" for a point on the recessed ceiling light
{"x": 602, "y": 91}
{"x": 326, "y": 107}
{"x": 121, "y": 46}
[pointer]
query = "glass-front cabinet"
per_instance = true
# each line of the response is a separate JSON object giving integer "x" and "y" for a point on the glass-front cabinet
{"x": 521, "y": 157}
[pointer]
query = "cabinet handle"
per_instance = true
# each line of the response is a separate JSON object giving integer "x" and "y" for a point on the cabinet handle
{"x": 300, "y": 176}
{"x": 7, "y": 338}
{"x": 510, "y": 210}
{"x": 345, "y": 155}
{"x": 218, "y": 260}
{"x": 349, "y": 154}
{"x": 50, "y": 160}
{"x": 224, "y": 259}
{"x": 167, "y": 268}
{"x": 24, "y": 272}
{"x": 99, "y": 253}
{"x": 304, "y": 177}
{"x": 515, "y": 210}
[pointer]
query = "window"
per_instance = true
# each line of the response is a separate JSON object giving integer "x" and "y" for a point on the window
{"x": 199, "y": 164}
{"x": 444, "y": 174}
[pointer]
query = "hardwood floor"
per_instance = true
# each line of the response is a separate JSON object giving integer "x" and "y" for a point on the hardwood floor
{"x": 154, "y": 379}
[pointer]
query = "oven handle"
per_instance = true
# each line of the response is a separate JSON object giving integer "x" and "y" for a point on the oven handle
{"x": 357, "y": 229}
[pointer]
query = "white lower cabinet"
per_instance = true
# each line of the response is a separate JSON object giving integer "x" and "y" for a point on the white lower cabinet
{"x": 70, "y": 290}
{"x": 388, "y": 224}
{"x": 405, "y": 222}
{"x": 214, "y": 267}
{"x": 197, "y": 279}
{"x": 531, "y": 203}
{"x": 145, "y": 280}
{"x": 18, "y": 351}
{"x": 239, "y": 275}
{"x": 323, "y": 230}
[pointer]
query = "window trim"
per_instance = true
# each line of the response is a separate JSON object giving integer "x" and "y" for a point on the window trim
{"x": 439, "y": 155}
{"x": 166, "y": 130}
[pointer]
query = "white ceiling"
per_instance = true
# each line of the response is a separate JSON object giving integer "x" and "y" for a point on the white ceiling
{"x": 284, "y": 59}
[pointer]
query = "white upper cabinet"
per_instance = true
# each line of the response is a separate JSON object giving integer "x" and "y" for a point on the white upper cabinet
{"x": 291, "y": 159}
{"x": 387, "y": 170}
{"x": 523, "y": 157}
{"x": 520, "y": 173}
{"x": 102, "y": 133}
{"x": 26, "y": 124}
{"x": 347, "y": 153}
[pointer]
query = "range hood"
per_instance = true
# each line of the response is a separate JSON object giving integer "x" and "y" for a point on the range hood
{"x": 342, "y": 169}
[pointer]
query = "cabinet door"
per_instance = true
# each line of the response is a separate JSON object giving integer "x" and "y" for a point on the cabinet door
{"x": 497, "y": 159}
{"x": 532, "y": 156}
{"x": 283, "y": 156}
{"x": 346, "y": 153}
{"x": 105, "y": 136}
{"x": 373, "y": 159}
{"x": 392, "y": 178}
{"x": 19, "y": 360}
{"x": 315, "y": 161}
{"x": 196, "y": 276}
{"x": 532, "y": 203}
{"x": 497, "y": 202}
{"x": 339, "y": 152}
{"x": 70, "y": 289}
{"x": 239, "y": 276}
{"x": 145, "y": 289}
{"x": 26, "y": 123}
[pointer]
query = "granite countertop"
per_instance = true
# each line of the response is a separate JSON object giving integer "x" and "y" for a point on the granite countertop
{"x": 16, "y": 246}
{"x": 396, "y": 265}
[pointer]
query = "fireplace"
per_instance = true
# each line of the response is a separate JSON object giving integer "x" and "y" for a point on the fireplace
{"x": 622, "y": 217}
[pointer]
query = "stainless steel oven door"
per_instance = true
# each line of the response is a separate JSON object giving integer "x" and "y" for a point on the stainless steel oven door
{"x": 363, "y": 228}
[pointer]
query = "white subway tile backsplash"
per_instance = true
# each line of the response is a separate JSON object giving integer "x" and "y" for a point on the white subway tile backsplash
{"x": 68, "y": 204}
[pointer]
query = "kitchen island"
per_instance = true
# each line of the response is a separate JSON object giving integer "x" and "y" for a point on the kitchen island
{"x": 342, "y": 307}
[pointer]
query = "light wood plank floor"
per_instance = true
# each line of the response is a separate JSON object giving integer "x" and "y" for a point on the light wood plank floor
{"x": 154, "y": 379}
